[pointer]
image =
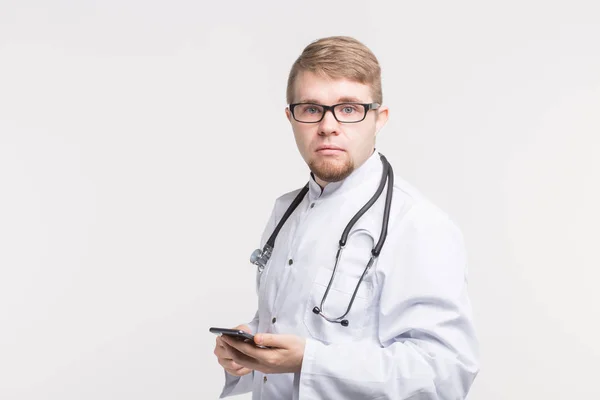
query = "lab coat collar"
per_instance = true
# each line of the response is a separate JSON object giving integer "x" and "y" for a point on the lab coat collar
{"x": 369, "y": 170}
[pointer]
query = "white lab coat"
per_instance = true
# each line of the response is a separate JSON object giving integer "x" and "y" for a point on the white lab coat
{"x": 410, "y": 333}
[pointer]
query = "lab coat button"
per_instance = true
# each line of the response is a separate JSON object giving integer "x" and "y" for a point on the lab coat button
{"x": 265, "y": 379}
{"x": 274, "y": 320}
{"x": 290, "y": 261}
{"x": 312, "y": 205}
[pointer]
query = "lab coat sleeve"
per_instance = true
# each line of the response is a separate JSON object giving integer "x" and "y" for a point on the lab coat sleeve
{"x": 427, "y": 346}
{"x": 235, "y": 385}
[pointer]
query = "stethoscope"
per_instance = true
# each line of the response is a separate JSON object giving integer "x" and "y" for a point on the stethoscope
{"x": 261, "y": 257}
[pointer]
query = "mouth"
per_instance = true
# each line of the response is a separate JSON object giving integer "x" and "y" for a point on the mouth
{"x": 329, "y": 149}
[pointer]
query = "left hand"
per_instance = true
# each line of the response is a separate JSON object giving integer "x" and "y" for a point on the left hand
{"x": 285, "y": 355}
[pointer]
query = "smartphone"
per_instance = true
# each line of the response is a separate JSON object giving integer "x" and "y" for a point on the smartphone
{"x": 236, "y": 333}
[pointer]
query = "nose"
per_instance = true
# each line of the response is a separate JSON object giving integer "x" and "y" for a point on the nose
{"x": 328, "y": 125}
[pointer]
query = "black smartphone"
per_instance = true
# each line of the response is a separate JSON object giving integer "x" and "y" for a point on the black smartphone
{"x": 238, "y": 334}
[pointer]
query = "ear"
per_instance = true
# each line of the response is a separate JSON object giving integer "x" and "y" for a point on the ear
{"x": 288, "y": 114}
{"x": 382, "y": 117}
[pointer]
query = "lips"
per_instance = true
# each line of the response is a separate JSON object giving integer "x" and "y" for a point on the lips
{"x": 329, "y": 148}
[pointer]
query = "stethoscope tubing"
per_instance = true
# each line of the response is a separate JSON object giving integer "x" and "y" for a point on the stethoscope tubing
{"x": 261, "y": 257}
{"x": 387, "y": 176}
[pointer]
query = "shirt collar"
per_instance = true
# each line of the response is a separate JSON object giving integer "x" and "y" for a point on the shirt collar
{"x": 370, "y": 169}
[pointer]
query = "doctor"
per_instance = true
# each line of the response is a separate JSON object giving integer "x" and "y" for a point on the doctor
{"x": 408, "y": 333}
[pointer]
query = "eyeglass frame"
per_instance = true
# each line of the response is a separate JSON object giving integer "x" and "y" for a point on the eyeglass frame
{"x": 367, "y": 106}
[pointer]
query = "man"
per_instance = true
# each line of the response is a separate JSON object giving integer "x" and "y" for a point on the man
{"x": 409, "y": 332}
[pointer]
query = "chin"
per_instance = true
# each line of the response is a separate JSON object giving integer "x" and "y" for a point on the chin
{"x": 331, "y": 169}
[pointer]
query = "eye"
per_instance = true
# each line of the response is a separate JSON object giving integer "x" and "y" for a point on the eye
{"x": 349, "y": 109}
{"x": 310, "y": 109}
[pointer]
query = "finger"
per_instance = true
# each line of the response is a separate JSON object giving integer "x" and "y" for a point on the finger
{"x": 225, "y": 352}
{"x": 243, "y": 359}
{"x": 244, "y": 371}
{"x": 245, "y": 348}
{"x": 232, "y": 367}
{"x": 228, "y": 350}
{"x": 229, "y": 364}
{"x": 221, "y": 350}
{"x": 232, "y": 346}
{"x": 239, "y": 372}
{"x": 222, "y": 355}
{"x": 220, "y": 341}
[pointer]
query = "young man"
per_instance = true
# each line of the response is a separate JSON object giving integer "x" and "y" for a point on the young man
{"x": 408, "y": 333}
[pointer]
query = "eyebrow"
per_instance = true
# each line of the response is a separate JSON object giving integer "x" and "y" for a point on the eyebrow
{"x": 345, "y": 99}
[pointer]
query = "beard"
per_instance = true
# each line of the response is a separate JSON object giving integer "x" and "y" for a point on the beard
{"x": 330, "y": 169}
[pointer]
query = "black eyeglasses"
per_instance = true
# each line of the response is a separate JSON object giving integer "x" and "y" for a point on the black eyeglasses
{"x": 347, "y": 113}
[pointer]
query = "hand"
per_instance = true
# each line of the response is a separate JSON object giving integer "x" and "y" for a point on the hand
{"x": 285, "y": 354}
{"x": 224, "y": 355}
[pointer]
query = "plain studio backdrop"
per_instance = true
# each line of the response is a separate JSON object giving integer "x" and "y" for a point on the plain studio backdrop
{"x": 143, "y": 143}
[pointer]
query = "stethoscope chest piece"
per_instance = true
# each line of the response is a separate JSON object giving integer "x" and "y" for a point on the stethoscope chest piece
{"x": 260, "y": 258}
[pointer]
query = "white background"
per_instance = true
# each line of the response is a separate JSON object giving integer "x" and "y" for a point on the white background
{"x": 142, "y": 144}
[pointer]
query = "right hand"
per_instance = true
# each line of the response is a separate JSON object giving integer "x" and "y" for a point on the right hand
{"x": 223, "y": 352}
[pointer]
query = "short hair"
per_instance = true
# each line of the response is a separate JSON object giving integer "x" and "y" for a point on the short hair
{"x": 338, "y": 57}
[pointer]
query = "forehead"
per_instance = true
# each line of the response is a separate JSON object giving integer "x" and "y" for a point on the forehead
{"x": 310, "y": 87}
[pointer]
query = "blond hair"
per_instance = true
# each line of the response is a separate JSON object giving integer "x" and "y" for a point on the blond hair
{"x": 338, "y": 57}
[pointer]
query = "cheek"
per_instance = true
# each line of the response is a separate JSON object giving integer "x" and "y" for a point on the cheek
{"x": 303, "y": 136}
{"x": 361, "y": 141}
{"x": 358, "y": 138}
